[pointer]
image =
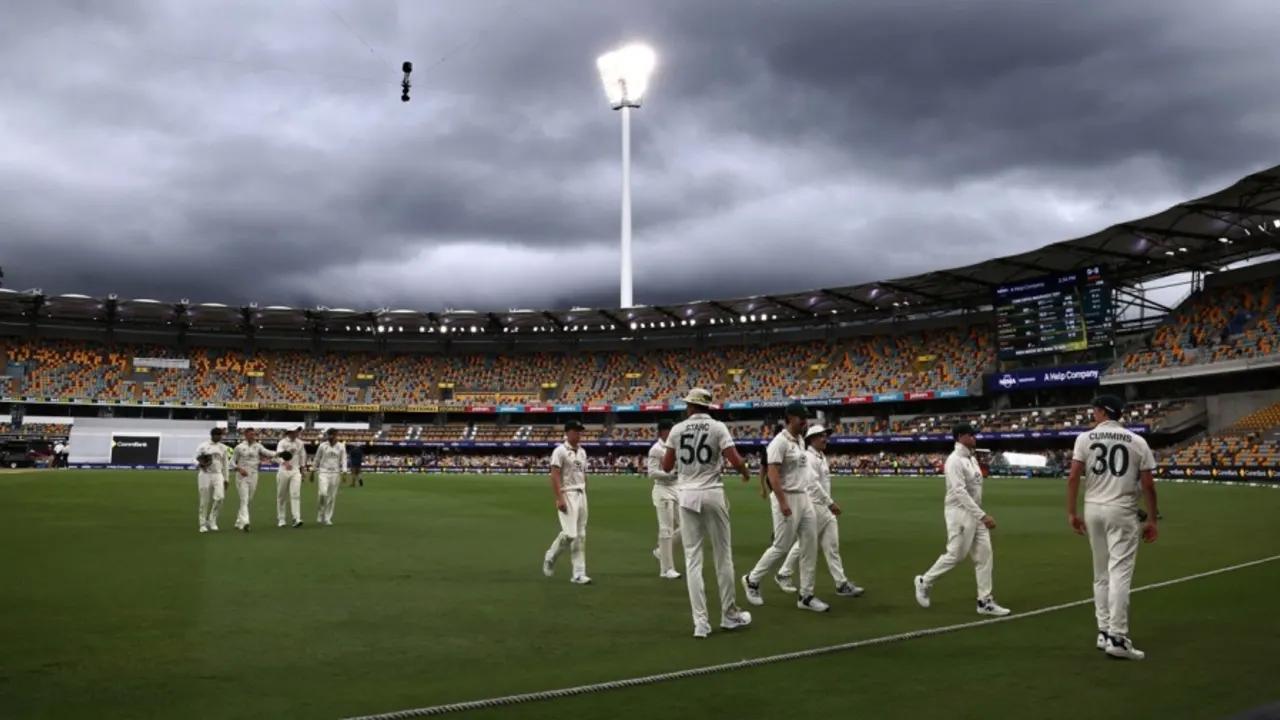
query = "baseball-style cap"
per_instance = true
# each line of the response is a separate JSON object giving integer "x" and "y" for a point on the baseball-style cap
{"x": 331, "y": 431}
{"x": 295, "y": 429}
{"x": 573, "y": 425}
{"x": 698, "y": 396}
{"x": 797, "y": 409}
{"x": 815, "y": 430}
{"x": 1111, "y": 404}
{"x": 963, "y": 428}
{"x": 665, "y": 424}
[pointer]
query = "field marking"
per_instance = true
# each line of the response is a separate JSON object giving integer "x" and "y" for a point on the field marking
{"x": 769, "y": 659}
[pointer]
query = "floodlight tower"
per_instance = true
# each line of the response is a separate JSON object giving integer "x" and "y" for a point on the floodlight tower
{"x": 625, "y": 73}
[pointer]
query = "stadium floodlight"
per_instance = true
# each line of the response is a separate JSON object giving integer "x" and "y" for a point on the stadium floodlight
{"x": 1225, "y": 241}
{"x": 633, "y": 326}
{"x": 625, "y": 73}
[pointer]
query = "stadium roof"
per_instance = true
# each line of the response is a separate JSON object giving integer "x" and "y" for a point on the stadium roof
{"x": 1234, "y": 224}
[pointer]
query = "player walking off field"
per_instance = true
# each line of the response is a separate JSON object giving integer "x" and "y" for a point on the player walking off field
{"x": 828, "y": 524}
{"x": 292, "y": 456}
{"x": 569, "y": 485}
{"x": 247, "y": 456}
{"x": 1116, "y": 465}
{"x": 794, "y": 519}
{"x": 968, "y": 525}
{"x": 666, "y": 501}
{"x": 211, "y": 479}
{"x": 695, "y": 449}
{"x": 331, "y": 465}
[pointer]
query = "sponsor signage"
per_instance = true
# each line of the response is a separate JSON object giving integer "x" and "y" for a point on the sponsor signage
{"x": 858, "y": 400}
{"x": 953, "y": 393}
{"x": 628, "y": 407}
{"x": 569, "y": 408}
{"x": 135, "y": 449}
{"x": 506, "y": 409}
{"x": 652, "y": 407}
{"x": 479, "y": 408}
{"x": 539, "y": 408}
{"x": 889, "y": 397}
{"x": 1086, "y": 374}
{"x": 154, "y": 362}
{"x": 597, "y": 408}
{"x": 920, "y": 396}
{"x": 681, "y": 405}
{"x": 237, "y": 405}
{"x": 738, "y": 405}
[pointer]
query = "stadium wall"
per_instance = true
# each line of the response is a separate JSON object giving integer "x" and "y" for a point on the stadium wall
{"x": 96, "y": 440}
{"x": 1224, "y": 410}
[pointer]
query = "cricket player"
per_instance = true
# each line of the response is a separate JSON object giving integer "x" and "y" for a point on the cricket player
{"x": 355, "y": 456}
{"x": 828, "y": 525}
{"x": 330, "y": 464}
{"x": 292, "y": 456}
{"x": 211, "y": 479}
{"x": 1116, "y": 465}
{"x": 569, "y": 484}
{"x": 695, "y": 449}
{"x": 666, "y": 501}
{"x": 794, "y": 518}
{"x": 968, "y": 525}
{"x": 246, "y": 457}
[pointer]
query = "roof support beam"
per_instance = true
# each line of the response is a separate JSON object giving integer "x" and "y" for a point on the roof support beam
{"x": 1170, "y": 233}
{"x": 792, "y": 307}
{"x": 1210, "y": 207}
{"x": 849, "y": 298}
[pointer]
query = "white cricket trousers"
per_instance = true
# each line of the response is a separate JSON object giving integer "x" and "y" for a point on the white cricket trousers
{"x": 802, "y": 528}
{"x": 288, "y": 495}
{"x": 1114, "y": 532}
{"x": 245, "y": 488}
{"x": 211, "y": 494}
{"x": 326, "y": 495}
{"x": 667, "y": 504}
{"x": 573, "y": 532}
{"x": 704, "y": 515}
{"x": 828, "y": 543}
{"x": 966, "y": 536}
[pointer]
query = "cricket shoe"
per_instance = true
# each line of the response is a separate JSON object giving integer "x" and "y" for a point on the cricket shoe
{"x": 328, "y": 523}
{"x": 297, "y": 524}
{"x": 922, "y": 591}
{"x": 548, "y": 567}
{"x": 701, "y": 631}
{"x": 848, "y": 589}
{"x": 785, "y": 584}
{"x": 989, "y": 607}
{"x": 213, "y": 528}
{"x": 244, "y": 528}
{"x": 735, "y": 619}
{"x": 580, "y": 580}
{"x": 204, "y": 529}
{"x": 1102, "y": 640}
{"x": 281, "y": 524}
{"x": 657, "y": 555}
{"x": 813, "y": 604}
{"x": 1121, "y": 648}
{"x": 753, "y": 591}
{"x": 670, "y": 575}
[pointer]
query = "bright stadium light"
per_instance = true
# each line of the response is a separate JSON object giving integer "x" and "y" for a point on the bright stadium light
{"x": 625, "y": 73}
{"x": 633, "y": 326}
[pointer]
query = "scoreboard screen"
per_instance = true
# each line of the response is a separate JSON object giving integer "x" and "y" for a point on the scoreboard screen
{"x": 1054, "y": 314}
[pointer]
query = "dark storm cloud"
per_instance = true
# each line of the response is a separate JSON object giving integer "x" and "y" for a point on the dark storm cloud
{"x": 259, "y": 151}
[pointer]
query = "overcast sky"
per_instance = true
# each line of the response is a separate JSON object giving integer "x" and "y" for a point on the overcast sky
{"x": 237, "y": 151}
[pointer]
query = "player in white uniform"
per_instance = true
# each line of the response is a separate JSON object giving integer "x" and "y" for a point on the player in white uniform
{"x": 968, "y": 525}
{"x": 794, "y": 519}
{"x": 1116, "y": 465}
{"x": 666, "y": 501}
{"x": 330, "y": 465}
{"x": 696, "y": 448}
{"x": 292, "y": 456}
{"x": 569, "y": 483}
{"x": 247, "y": 456}
{"x": 211, "y": 479}
{"x": 828, "y": 525}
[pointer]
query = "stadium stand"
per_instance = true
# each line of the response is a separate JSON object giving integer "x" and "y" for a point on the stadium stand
{"x": 1252, "y": 441}
{"x": 1234, "y": 322}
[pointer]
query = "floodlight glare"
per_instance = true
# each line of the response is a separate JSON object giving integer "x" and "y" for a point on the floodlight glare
{"x": 625, "y": 73}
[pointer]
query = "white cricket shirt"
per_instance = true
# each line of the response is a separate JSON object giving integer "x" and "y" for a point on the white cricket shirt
{"x": 819, "y": 478}
{"x": 299, "y": 450}
{"x": 787, "y": 451}
{"x": 699, "y": 442}
{"x": 1113, "y": 458}
{"x": 331, "y": 458}
{"x": 218, "y": 452}
{"x": 964, "y": 482}
{"x": 573, "y": 466}
{"x": 653, "y": 464}
{"x": 249, "y": 456}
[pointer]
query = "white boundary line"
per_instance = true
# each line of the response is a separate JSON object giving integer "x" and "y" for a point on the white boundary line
{"x": 769, "y": 659}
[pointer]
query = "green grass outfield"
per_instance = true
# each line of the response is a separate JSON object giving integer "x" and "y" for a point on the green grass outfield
{"x": 428, "y": 590}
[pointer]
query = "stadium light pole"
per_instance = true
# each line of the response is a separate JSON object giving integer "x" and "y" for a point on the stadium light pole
{"x": 625, "y": 73}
